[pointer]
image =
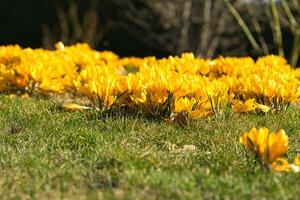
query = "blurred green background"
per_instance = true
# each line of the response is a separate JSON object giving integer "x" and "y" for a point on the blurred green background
{"x": 208, "y": 28}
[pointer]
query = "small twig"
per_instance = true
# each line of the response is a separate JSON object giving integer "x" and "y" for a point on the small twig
{"x": 63, "y": 24}
{"x": 74, "y": 18}
{"x": 243, "y": 25}
{"x": 258, "y": 29}
{"x": 184, "y": 33}
{"x": 277, "y": 28}
{"x": 296, "y": 31}
{"x": 206, "y": 31}
{"x": 295, "y": 50}
{"x": 290, "y": 16}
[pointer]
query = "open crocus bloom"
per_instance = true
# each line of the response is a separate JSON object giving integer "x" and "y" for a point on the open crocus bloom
{"x": 267, "y": 145}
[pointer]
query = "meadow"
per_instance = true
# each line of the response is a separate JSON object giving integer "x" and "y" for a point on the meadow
{"x": 48, "y": 153}
{"x": 81, "y": 124}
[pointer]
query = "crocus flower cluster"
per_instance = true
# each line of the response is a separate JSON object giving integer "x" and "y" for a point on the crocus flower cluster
{"x": 170, "y": 87}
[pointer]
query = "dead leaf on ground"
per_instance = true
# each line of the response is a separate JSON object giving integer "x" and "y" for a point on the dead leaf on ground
{"x": 188, "y": 148}
{"x": 15, "y": 130}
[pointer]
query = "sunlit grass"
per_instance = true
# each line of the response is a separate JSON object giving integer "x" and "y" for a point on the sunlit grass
{"x": 46, "y": 152}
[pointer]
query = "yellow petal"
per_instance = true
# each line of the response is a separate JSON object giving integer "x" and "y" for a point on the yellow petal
{"x": 25, "y": 95}
{"x": 280, "y": 165}
{"x": 60, "y": 46}
{"x": 297, "y": 161}
{"x": 277, "y": 145}
{"x": 75, "y": 107}
{"x": 262, "y": 142}
{"x": 239, "y": 106}
{"x": 263, "y": 108}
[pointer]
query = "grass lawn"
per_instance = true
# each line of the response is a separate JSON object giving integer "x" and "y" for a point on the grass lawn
{"x": 48, "y": 153}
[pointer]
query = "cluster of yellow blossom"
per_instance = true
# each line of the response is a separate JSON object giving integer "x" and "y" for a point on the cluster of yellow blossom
{"x": 168, "y": 87}
{"x": 270, "y": 147}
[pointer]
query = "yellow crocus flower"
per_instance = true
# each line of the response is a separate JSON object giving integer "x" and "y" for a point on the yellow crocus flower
{"x": 267, "y": 145}
{"x": 247, "y": 106}
{"x": 184, "y": 104}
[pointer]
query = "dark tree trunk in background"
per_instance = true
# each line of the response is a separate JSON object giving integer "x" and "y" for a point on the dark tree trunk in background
{"x": 21, "y": 21}
{"x": 174, "y": 26}
{"x": 136, "y": 27}
{"x": 154, "y": 23}
{"x": 205, "y": 27}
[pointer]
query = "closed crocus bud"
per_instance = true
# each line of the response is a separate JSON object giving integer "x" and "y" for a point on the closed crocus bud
{"x": 60, "y": 45}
